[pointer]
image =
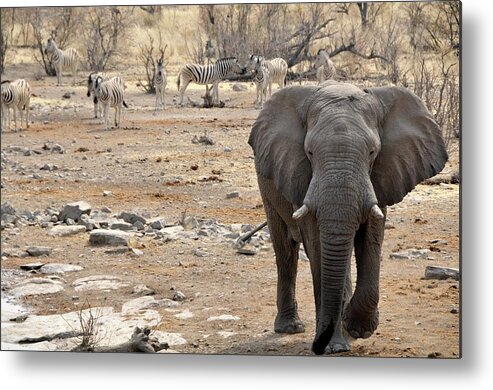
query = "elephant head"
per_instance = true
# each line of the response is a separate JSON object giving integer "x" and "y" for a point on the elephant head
{"x": 342, "y": 154}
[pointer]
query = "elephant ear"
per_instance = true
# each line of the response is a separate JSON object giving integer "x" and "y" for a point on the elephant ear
{"x": 412, "y": 145}
{"x": 277, "y": 140}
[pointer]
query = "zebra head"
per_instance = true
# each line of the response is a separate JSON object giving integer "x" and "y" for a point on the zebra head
{"x": 50, "y": 46}
{"x": 321, "y": 58}
{"x": 90, "y": 84}
{"x": 160, "y": 64}
{"x": 251, "y": 62}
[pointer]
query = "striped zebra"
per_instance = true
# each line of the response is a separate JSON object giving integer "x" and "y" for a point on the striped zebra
{"x": 111, "y": 93}
{"x": 207, "y": 74}
{"x": 15, "y": 95}
{"x": 325, "y": 67}
{"x": 278, "y": 68}
{"x": 261, "y": 79}
{"x": 160, "y": 81}
{"x": 91, "y": 90}
{"x": 62, "y": 59}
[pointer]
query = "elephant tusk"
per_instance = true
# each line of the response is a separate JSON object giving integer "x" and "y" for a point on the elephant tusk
{"x": 376, "y": 212}
{"x": 301, "y": 212}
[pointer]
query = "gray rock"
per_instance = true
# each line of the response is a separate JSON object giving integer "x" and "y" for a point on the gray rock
{"x": 223, "y": 317}
{"x": 105, "y": 209}
{"x": 37, "y": 286}
{"x": 139, "y": 225}
{"x": 200, "y": 253}
{"x": 441, "y": 273}
{"x": 411, "y": 254}
{"x": 109, "y": 237}
{"x": 118, "y": 251}
{"x": 142, "y": 290}
{"x": 203, "y": 139}
{"x": 49, "y": 167}
{"x": 31, "y": 266}
{"x": 234, "y": 194}
{"x": 238, "y": 87}
{"x": 185, "y": 315}
{"x": 70, "y": 222}
{"x": 107, "y": 193}
{"x": 62, "y": 231}
{"x": 59, "y": 268}
{"x": 39, "y": 250}
{"x": 132, "y": 217}
{"x": 125, "y": 226}
{"x": 98, "y": 282}
{"x": 158, "y": 224}
{"x": 7, "y": 210}
{"x": 190, "y": 223}
{"x": 178, "y": 296}
{"x": 74, "y": 211}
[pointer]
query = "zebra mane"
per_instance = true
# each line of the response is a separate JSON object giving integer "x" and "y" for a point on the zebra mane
{"x": 6, "y": 81}
{"x": 226, "y": 59}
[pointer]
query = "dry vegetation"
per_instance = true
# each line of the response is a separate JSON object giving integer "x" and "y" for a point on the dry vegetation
{"x": 412, "y": 44}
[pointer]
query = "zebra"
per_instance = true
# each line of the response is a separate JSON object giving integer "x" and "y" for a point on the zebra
{"x": 91, "y": 90}
{"x": 261, "y": 78}
{"x": 160, "y": 81}
{"x": 15, "y": 95}
{"x": 278, "y": 68}
{"x": 111, "y": 93}
{"x": 62, "y": 59}
{"x": 207, "y": 74}
{"x": 325, "y": 67}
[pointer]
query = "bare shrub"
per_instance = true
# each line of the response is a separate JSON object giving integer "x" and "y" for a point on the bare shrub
{"x": 106, "y": 27}
{"x": 61, "y": 24}
{"x": 7, "y": 26}
{"x": 90, "y": 330}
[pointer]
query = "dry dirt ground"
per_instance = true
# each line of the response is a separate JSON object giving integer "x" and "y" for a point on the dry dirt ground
{"x": 151, "y": 165}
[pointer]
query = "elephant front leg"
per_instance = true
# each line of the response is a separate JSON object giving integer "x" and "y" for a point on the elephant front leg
{"x": 286, "y": 251}
{"x": 361, "y": 315}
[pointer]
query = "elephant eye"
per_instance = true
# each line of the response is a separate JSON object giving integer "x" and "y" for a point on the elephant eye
{"x": 310, "y": 153}
{"x": 372, "y": 152}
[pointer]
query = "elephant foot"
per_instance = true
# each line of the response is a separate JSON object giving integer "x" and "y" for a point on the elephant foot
{"x": 360, "y": 324}
{"x": 288, "y": 325}
{"x": 337, "y": 346}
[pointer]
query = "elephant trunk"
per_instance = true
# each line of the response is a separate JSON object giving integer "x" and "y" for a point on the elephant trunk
{"x": 343, "y": 202}
{"x": 336, "y": 245}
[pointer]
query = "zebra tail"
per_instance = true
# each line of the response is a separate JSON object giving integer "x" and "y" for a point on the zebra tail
{"x": 178, "y": 81}
{"x": 125, "y": 104}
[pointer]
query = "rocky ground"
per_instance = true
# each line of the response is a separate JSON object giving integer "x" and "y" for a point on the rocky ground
{"x": 138, "y": 226}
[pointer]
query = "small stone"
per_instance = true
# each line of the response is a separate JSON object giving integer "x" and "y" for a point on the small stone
{"x": 247, "y": 249}
{"x": 200, "y": 253}
{"x": 31, "y": 266}
{"x": 185, "y": 315}
{"x": 117, "y": 251}
{"x": 131, "y": 217}
{"x": 454, "y": 311}
{"x": 62, "y": 231}
{"x": 75, "y": 210}
{"x": 107, "y": 193}
{"x": 59, "y": 268}
{"x": 138, "y": 225}
{"x": 441, "y": 273}
{"x": 39, "y": 250}
{"x": 105, "y": 209}
{"x": 125, "y": 226}
{"x": 223, "y": 317}
{"x": 70, "y": 222}
{"x": 178, "y": 296}
{"x": 234, "y": 194}
{"x": 227, "y": 149}
{"x": 137, "y": 252}
{"x": 20, "y": 318}
{"x": 67, "y": 95}
{"x": 158, "y": 224}
{"x": 237, "y": 87}
{"x": 142, "y": 290}
{"x": 109, "y": 237}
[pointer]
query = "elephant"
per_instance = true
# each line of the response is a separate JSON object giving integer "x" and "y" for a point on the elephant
{"x": 329, "y": 160}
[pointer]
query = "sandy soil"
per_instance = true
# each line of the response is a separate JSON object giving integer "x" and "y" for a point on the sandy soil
{"x": 151, "y": 165}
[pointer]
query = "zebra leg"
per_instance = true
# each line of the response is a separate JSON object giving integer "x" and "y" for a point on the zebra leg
{"x": 58, "y": 72}
{"x": 75, "y": 73}
{"x": 107, "y": 116}
{"x": 15, "y": 119}
{"x": 182, "y": 90}
{"x": 164, "y": 96}
{"x": 27, "y": 112}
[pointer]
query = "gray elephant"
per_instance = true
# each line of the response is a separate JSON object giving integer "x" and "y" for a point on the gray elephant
{"x": 329, "y": 159}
